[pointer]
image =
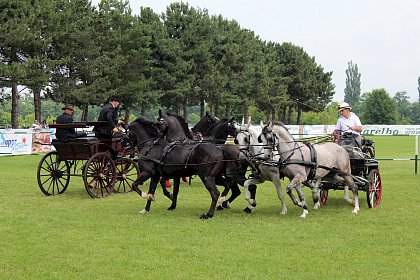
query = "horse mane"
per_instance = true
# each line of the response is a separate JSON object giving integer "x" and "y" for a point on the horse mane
{"x": 148, "y": 125}
{"x": 183, "y": 124}
{"x": 200, "y": 125}
{"x": 216, "y": 126}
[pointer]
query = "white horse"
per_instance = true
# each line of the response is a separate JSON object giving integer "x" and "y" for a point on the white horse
{"x": 299, "y": 162}
{"x": 251, "y": 149}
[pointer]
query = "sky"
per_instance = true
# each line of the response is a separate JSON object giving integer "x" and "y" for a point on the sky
{"x": 381, "y": 36}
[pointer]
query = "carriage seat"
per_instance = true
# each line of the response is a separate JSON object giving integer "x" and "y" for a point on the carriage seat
{"x": 78, "y": 140}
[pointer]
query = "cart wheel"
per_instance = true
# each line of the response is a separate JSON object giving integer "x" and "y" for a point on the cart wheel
{"x": 323, "y": 195}
{"x": 374, "y": 191}
{"x": 127, "y": 173}
{"x": 99, "y": 175}
{"x": 53, "y": 174}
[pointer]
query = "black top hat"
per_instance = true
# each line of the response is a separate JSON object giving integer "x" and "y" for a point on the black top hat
{"x": 114, "y": 98}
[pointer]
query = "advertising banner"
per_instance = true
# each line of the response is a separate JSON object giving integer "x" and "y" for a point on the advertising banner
{"x": 15, "y": 141}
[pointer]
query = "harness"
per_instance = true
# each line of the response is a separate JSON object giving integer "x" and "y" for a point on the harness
{"x": 313, "y": 164}
{"x": 168, "y": 148}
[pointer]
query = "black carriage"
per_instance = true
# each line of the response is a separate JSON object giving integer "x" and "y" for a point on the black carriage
{"x": 364, "y": 170}
{"x": 106, "y": 165}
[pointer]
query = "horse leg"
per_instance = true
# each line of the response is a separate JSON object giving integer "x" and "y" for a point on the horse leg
{"x": 350, "y": 182}
{"x": 209, "y": 183}
{"x": 249, "y": 190}
{"x": 151, "y": 193}
{"x": 314, "y": 185}
{"x": 142, "y": 178}
{"x": 222, "y": 181}
{"x": 177, "y": 181}
{"x": 276, "y": 181}
{"x": 295, "y": 184}
{"x": 165, "y": 189}
{"x": 302, "y": 201}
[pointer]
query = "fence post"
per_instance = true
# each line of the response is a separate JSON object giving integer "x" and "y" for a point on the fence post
{"x": 416, "y": 155}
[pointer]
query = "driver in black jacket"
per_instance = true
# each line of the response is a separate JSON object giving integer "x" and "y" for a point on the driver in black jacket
{"x": 110, "y": 115}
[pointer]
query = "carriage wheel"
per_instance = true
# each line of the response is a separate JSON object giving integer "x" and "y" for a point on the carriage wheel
{"x": 323, "y": 195}
{"x": 99, "y": 175}
{"x": 374, "y": 191}
{"x": 127, "y": 173}
{"x": 53, "y": 174}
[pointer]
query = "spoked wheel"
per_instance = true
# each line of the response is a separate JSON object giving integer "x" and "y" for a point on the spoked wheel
{"x": 99, "y": 175}
{"x": 323, "y": 195}
{"x": 53, "y": 174}
{"x": 127, "y": 173}
{"x": 374, "y": 191}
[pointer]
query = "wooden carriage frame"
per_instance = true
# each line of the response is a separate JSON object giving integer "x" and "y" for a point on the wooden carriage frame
{"x": 106, "y": 165}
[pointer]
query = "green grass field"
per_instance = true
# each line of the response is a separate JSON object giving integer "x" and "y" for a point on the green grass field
{"x": 72, "y": 236}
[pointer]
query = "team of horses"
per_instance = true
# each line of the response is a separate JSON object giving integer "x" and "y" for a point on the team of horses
{"x": 168, "y": 149}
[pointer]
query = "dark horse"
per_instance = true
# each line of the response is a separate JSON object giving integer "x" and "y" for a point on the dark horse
{"x": 147, "y": 133}
{"x": 215, "y": 131}
{"x": 161, "y": 158}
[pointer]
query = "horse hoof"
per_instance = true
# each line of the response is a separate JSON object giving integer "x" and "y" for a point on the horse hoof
{"x": 219, "y": 207}
{"x": 316, "y": 206}
{"x": 304, "y": 214}
{"x": 151, "y": 197}
{"x": 355, "y": 211}
{"x": 226, "y": 204}
{"x": 247, "y": 210}
{"x": 171, "y": 208}
{"x": 205, "y": 216}
{"x": 144, "y": 211}
{"x": 283, "y": 213}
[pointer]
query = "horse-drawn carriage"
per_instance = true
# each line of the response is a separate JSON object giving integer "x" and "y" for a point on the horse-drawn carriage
{"x": 106, "y": 165}
{"x": 320, "y": 167}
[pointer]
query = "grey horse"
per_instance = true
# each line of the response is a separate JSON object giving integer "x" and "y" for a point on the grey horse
{"x": 252, "y": 150}
{"x": 300, "y": 162}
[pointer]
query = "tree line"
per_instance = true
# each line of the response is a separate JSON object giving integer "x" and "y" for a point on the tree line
{"x": 71, "y": 51}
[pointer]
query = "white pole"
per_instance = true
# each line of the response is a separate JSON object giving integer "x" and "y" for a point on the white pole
{"x": 416, "y": 154}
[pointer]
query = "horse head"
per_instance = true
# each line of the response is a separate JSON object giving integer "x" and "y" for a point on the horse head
{"x": 247, "y": 140}
{"x": 142, "y": 130}
{"x": 268, "y": 139}
{"x": 174, "y": 127}
{"x": 205, "y": 123}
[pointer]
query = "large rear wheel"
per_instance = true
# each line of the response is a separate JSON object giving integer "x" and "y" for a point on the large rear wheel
{"x": 127, "y": 173}
{"x": 99, "y": 175}
{"x": 374, "y": 192}
{"x": 53, "y": 174}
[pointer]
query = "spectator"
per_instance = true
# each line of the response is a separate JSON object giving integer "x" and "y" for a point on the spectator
{"x": 36, "y": 125}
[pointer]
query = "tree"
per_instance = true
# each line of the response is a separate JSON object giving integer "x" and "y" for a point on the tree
{"x": 415, "y": 113}
{"x": 418, "y": 88}
{"x": 17, "y": 37}
{"x": 403, "y": 107}
{"x": 352, "y": 90}
{"x": 379, "y": 108}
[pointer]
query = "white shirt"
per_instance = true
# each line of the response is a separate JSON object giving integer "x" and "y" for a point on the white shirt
{"x": 344, "y": 124}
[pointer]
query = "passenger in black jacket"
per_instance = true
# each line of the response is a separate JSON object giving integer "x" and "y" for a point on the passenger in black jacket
{"x": 110, "y": 115}
{"x": 69, "y": 133}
